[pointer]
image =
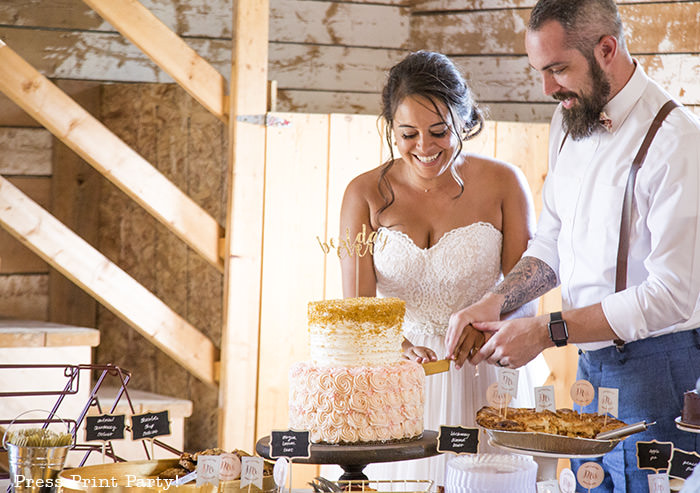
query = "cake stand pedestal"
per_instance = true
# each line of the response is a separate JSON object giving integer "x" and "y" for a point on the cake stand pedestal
{"x": 546, "y": 461}
{"x": 354, "y": 458}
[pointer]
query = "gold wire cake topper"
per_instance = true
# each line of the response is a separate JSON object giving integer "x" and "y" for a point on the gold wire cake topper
{"x": 362, "y": 245}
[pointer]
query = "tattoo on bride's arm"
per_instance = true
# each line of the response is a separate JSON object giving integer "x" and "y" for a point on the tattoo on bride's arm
{"x": 529, "y": 279}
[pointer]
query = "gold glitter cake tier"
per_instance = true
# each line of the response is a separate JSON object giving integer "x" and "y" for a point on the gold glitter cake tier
{"x": 380, "y": 311}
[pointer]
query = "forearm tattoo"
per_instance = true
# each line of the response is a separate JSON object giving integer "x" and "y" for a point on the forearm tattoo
{"x": 529, "y": 279}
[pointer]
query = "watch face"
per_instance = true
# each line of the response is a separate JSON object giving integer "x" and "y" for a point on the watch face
{"x": 557, "y": 331}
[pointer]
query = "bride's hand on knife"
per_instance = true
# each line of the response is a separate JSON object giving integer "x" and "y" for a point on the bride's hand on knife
{"x": 419, "y": 354}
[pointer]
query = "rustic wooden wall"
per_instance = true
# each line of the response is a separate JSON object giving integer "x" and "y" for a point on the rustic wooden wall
{"x": 332, "y": 56}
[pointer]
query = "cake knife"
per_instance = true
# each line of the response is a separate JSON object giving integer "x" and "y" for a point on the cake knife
{"x": 433, "y": 367}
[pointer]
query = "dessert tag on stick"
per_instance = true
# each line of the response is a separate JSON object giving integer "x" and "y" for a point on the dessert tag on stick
{"x": 590, "y": 475}
{"x": 508, "y": 381}
{"x": 498, "y": 399}
{"x": 659, "y": 483}
{"x": 654, "y": 455}
{"x": 208, "y": 469}
{"x": 683, "y": 463}
{"x": 582, "y": 393}
{"x": 252, "y": 472}
{"x": 544, "y": 398}
{"x": 567, "y": 481}
{"x": 607, "y": 402}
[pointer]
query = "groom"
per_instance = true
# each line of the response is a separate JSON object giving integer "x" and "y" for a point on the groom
{"x": 637, "y": 326}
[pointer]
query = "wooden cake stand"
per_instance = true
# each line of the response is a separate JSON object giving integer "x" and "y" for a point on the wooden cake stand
{"x": 354, "y": 458}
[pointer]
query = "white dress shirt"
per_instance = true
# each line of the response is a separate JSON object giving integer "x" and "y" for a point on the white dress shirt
{"x": 579, "y": 227}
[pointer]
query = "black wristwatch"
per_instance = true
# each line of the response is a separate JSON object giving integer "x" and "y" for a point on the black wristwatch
{"x": 557, "y": 329}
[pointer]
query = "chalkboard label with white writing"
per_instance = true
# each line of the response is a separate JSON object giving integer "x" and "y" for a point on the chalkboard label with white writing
{"x": 150, "y": 425}
{"x": 105, "y": 428}
{"x": 458, "y": 440}
{"x": 683, "y": 463}
{"x": 290, "y": 444}
{"x": 654, "y": 455}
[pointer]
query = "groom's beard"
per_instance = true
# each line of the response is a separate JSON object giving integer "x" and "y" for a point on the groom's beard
{"x": 583, "y": 118}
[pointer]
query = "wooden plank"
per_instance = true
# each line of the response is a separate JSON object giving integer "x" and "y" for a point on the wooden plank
{"x": 109, "y": 155}
{"x": 331, "y": 68}
{"x": 202, "y": 81}
{"x": 310, "y": 101}
{"x": 35, "y": 333}
{"x": 238, "y": 388}
{"x": 110, "y": 285}
{"x": 334, "y": 23}
{"x": 25, "y": 151}
{"x": 100, "y": 56}
{"x": 460, "y": 5}
{"x": 506, "y": 78}
{"x": 503, "y": 31}
{"x": 296, "y": 166}
{"x": 211, "y": 19}
{"x": 16, "y": 258}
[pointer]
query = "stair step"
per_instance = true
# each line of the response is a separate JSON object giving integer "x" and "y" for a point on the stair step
{"x": 143, "y": 402}
{"x": 38, "y": 334}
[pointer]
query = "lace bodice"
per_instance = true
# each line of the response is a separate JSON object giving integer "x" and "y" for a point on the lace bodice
{"x": 437, "y": 281}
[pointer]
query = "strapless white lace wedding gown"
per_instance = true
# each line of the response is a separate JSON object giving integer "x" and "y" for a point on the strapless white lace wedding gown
{"x": 435, "y": 282}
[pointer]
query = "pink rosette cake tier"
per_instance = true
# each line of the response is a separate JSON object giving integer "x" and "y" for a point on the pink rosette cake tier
{"x": 357, "y": 388}
{"x": 357, "y": 404}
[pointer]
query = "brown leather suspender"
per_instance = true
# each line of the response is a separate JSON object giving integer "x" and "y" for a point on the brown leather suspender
{"x": 625, "y": 221}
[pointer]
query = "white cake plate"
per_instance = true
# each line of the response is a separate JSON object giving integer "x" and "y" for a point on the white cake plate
{"x": 546, "y": 461}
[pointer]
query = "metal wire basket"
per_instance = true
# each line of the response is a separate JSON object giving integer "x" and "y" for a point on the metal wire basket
{"x": 384, "y": 486}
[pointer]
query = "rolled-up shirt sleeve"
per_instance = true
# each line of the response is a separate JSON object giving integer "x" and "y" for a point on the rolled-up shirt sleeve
{"x": 667, "y": 243}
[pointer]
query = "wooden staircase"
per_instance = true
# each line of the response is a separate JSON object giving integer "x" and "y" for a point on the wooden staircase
{"x": 234, "y": 248}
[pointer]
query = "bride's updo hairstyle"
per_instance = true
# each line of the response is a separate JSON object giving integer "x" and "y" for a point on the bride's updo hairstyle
{"x": 434, "y": 77}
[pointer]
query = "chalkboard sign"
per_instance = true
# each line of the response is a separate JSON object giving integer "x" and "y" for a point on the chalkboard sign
{"x": 290, "y": 444}
{"x": 458, "y": 440}
{"x": 654, "y": 455}
{"x": 150, "y": 425}
{"x": 105, "y": 428}
{"x": 683, "y": 463}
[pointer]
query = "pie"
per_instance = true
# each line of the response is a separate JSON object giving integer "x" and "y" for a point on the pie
{"x": 565, "y": 422}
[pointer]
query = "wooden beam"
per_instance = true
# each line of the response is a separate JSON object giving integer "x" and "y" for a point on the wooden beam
{"x": 194, "y": 74}
{"x": 243, "y": 260}
{"x": 94, "y": 142}
{"x": 115, "y": 289}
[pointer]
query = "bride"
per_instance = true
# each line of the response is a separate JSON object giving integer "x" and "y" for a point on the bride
{"x": 450, "y": 224}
